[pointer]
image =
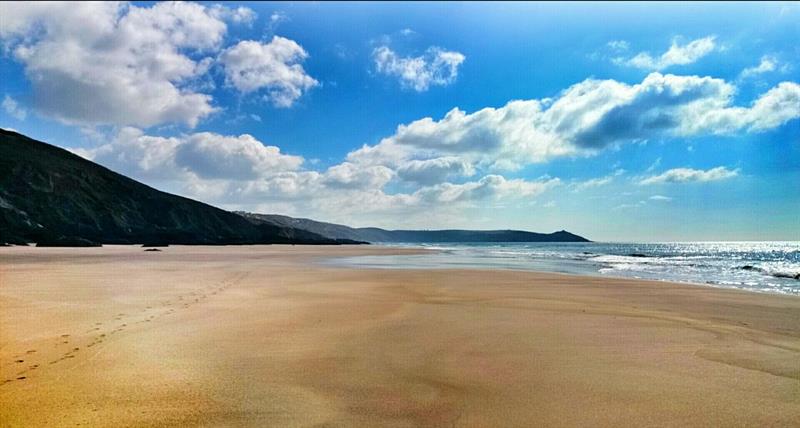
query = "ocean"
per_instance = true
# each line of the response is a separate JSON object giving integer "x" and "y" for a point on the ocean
{"x": 755, "y": 266}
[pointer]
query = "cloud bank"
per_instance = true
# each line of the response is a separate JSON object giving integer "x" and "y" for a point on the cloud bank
{"x": 584, "y": 119}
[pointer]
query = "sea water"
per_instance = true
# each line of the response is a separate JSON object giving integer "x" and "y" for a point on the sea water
{"x": 756, "y": 266}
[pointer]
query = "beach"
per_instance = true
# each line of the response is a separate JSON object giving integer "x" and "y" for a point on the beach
{"x": 266, "y": 336}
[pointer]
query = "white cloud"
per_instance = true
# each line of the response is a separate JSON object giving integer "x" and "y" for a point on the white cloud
{"x": 654, "y": 165}
{"x": 772, "y": 109}
{"x": 767, "y": 64}
{"x": 676, "y": 55}
{"x": 660, "y": 198}
{"x": 489, "y": 187}
{"x": 275, "y": 19}
{"x": 190, "y": 157}
{"x": 594, "y": 182}
{"x": 275, "y": 67}
{"x": 437, "y": 67}
{"x": 597, "y": 182}
{"x": 687, "y": 175}
{"x": 239, "y": 15}
{"x": 212, "y": 155}
{"x": 584, "y": 119}
{"x": 240, "y": 172}
{"x": 420, "y": 170}
{"x": 13, "y": 108}
{"x": 114, "y": 63}
{"x": 619, "y": 45}
{"x": 131, "y": 152}
{"x": 437, "y": 170}
{"x": 348, "y": 175}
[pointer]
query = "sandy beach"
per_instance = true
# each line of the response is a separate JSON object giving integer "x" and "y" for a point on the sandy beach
{"x": 263, "y": 336}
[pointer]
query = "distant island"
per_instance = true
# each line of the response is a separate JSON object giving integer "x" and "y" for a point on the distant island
{"x": 52, "y": 197}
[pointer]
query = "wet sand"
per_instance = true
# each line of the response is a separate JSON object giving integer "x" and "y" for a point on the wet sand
{"x": 262, "y": 336}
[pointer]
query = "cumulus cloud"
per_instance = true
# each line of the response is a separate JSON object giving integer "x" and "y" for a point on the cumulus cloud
{"x": 584, "y": 119}
{"x": 489, "y": 187}
{"x": 239, "y": 15}
{"x": 767, "y": 64}
{"x": 240, "y": 172}
{"x": 203, "y": 155}
{"x": 688, "y": 175}
{"x": 437, "y": 170}
{"x": 437, "y": 67}
{"x": 13, "y": 108}
{"x": 772, "y": 109}
{"x": 274, "y": 67}
{"x": 212, "y": 155}
{"x": 677, "y": 54}
{"x": 114, "y": 63}
{"x": 348, "y": 175}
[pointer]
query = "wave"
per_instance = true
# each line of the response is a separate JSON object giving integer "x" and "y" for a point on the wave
{"x": 777, "y": 273}
{"x": 761, "y": 266}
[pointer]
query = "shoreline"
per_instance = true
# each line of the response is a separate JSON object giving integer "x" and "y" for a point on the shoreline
{"x": 585, "y": 274}
{"x": 266, "y": 336}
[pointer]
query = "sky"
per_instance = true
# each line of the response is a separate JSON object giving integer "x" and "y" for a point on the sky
{"x": 618, "y": 122}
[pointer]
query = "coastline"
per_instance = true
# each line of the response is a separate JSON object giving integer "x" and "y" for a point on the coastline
{"x": 265, "y": 335}
{"x": 568, "y": 266}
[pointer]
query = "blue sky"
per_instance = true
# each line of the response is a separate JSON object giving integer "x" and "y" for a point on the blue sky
{"x": 615, "y": 121}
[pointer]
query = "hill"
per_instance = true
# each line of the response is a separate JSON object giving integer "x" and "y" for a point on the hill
{"x": 373, "y": 234}
{"x": 53, "y": 197}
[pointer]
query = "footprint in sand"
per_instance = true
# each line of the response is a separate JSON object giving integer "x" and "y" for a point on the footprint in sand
{"x": 19, "y": 361}
{"x": 30, "y": 351}
{"x": 21, "y": 378}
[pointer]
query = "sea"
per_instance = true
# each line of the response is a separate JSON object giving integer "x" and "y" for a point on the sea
{"x": 772, "y": 267}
